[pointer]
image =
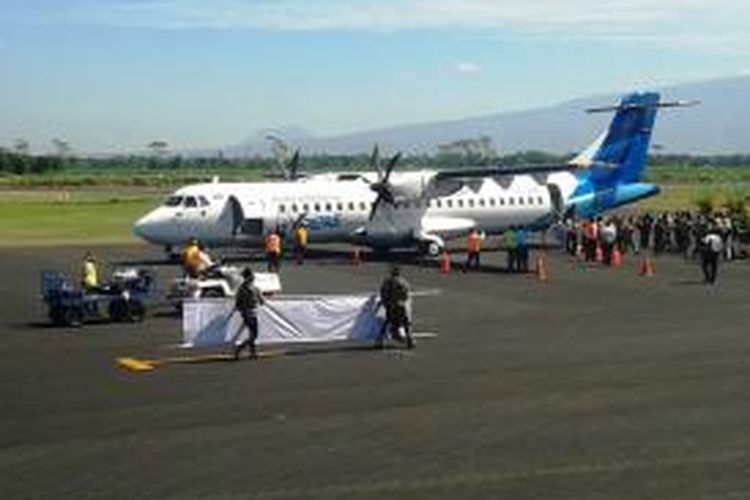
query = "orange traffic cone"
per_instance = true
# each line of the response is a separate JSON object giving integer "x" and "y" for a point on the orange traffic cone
{"x": 356, "y": 257}
{"x": 445, "y": 263}
{"x": 540, "y": 271}
{"x": 646, "y": 267}
{"x": 616, "y": 260}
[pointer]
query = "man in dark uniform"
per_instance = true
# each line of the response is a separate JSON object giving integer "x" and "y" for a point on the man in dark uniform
{"x": 394, "y": 295}
{"x": 247, "y": 301}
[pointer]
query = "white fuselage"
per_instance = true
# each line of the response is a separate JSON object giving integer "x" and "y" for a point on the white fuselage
{"x": 228, "y": 214}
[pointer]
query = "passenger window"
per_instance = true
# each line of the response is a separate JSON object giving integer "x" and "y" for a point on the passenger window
{"x": 531, "y": 200}
{"x": 282, "y": 209}
{"x": 362, "y": 205}
{"x": 511, "y": 200}
{"x": 340, "y": 207}
{"x": 449, "y": 203}
{"x": 316, "y": 207}
{"x": 329, "y": 207}
{"x": 481, "y": 202}
{"x": 502, "y": 201}
{"x": 294, "y": 208}
{"x": 191, "y": 202}
{"x": 540, "y": 200}
{"x": 471, "y": 203}
{"x": 305, "y": 207}
{"x": 492, "y": 202}
{"x": 439, "y": 203}
{"x": 351, "y": 206}
{"x": 460, "y": 203}
{"x": 520, "y": 200}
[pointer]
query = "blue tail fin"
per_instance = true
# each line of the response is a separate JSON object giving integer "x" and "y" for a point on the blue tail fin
{"x": 619, "y": 155}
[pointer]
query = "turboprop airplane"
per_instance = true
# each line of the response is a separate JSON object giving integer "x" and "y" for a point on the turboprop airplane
{"x": 419, "y": 209}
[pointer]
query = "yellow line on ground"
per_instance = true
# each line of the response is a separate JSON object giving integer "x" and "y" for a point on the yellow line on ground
{"x": 143, "y": 365}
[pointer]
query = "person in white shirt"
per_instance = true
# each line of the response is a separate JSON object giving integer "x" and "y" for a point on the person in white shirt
{"x": 712, "y": 247}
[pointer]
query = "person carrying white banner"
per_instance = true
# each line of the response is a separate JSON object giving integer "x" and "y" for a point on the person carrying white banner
{"x": 394, "y": 295}
{"x": 247, "y": 301}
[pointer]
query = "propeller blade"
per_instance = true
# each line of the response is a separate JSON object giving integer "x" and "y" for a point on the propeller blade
{"x": 374, "y": 207}
{"x": 292, "y": 166}
{"x": 299, "y": 220}
{"x": 390, "y": 166}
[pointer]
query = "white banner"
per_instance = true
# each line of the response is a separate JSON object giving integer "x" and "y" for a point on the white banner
{"x": 215, "y": 322}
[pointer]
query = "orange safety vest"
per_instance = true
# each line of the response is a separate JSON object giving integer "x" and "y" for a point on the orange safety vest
{"x": 273, "y": 243}
{"x": 191, "y": 258}
{"x": 475, "y": 242}
{"x": 589, "y": 230}
{"x": 301, "y": 237}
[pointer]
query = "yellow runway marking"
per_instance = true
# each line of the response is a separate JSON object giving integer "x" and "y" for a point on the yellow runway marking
{"x": 144, "y": 365}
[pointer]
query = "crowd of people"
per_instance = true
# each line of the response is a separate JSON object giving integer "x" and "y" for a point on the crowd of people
{"x": 679, "y": 233}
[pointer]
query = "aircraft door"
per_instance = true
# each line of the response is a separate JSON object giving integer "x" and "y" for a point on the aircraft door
{"x": 245, "y": 220}
{"x": 556, "y": 200}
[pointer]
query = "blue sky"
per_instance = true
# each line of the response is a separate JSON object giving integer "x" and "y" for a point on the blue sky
{"x": 114, "y": 75}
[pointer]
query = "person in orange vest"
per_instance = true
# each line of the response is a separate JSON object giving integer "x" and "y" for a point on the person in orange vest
{"x": 300, "y": 243}
{"x": 192, "y": 260}
{"x": 474, "y": 248}
{"x": 273, "y": 251}
{"x": 590, "y": 239}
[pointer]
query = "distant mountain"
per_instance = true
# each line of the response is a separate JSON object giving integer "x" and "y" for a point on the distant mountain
{"x": 719, "y": 125}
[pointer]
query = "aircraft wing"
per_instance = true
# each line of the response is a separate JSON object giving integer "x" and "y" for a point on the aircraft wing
{"x": 501, "y": 171}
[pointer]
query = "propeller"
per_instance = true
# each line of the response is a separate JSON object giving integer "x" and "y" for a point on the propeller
{"x": 291, "y": 168}
{"x": 382, "y": 187}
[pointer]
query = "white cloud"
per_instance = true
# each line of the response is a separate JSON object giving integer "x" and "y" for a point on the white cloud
{"x": 719, "y": 24}
{"x": 468, "y": 67}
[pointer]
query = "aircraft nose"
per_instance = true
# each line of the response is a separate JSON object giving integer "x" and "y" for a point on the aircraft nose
{"x": 147, "y": 227}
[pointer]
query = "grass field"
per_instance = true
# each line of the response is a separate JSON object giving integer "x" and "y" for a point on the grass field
{"x": 686, "y": 196}
{"x": 48, "y": 218}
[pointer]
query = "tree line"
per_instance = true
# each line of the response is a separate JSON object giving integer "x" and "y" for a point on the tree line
{"x": 464, "y": 153}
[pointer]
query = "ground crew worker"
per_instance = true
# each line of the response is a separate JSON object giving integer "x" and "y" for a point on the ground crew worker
{"x": 394, "y": 296}
{"x": 510, "y": 243}
{"x": 89, "y": 274}
{"x": 191, "y": 258}
{"x": 712, "y": 247}
{"x": 590, "y": 239}
{"x": 474, "y": 248}
{"x": 273, "y": 251}
{"x": 300, "y": 243}
{"x": 247, "y": 301}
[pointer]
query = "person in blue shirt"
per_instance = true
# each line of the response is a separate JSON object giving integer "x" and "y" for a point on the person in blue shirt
{"x": 522, "y": 250}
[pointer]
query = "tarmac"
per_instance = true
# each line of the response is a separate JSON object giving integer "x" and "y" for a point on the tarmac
{"x": 597, "y": 384}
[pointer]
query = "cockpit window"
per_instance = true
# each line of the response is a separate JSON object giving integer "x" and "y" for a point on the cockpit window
{"x": 191, "y": 202}
{"x": 203, "y": 201}
{"x": 173, "y": 201}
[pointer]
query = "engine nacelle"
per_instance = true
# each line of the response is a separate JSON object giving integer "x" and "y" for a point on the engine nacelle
{"x": 411, "y": 185}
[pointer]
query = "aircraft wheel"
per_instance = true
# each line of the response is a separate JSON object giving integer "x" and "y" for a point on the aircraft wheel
{"x": 434, "y": 249}
{"x": 431, "y": 249}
